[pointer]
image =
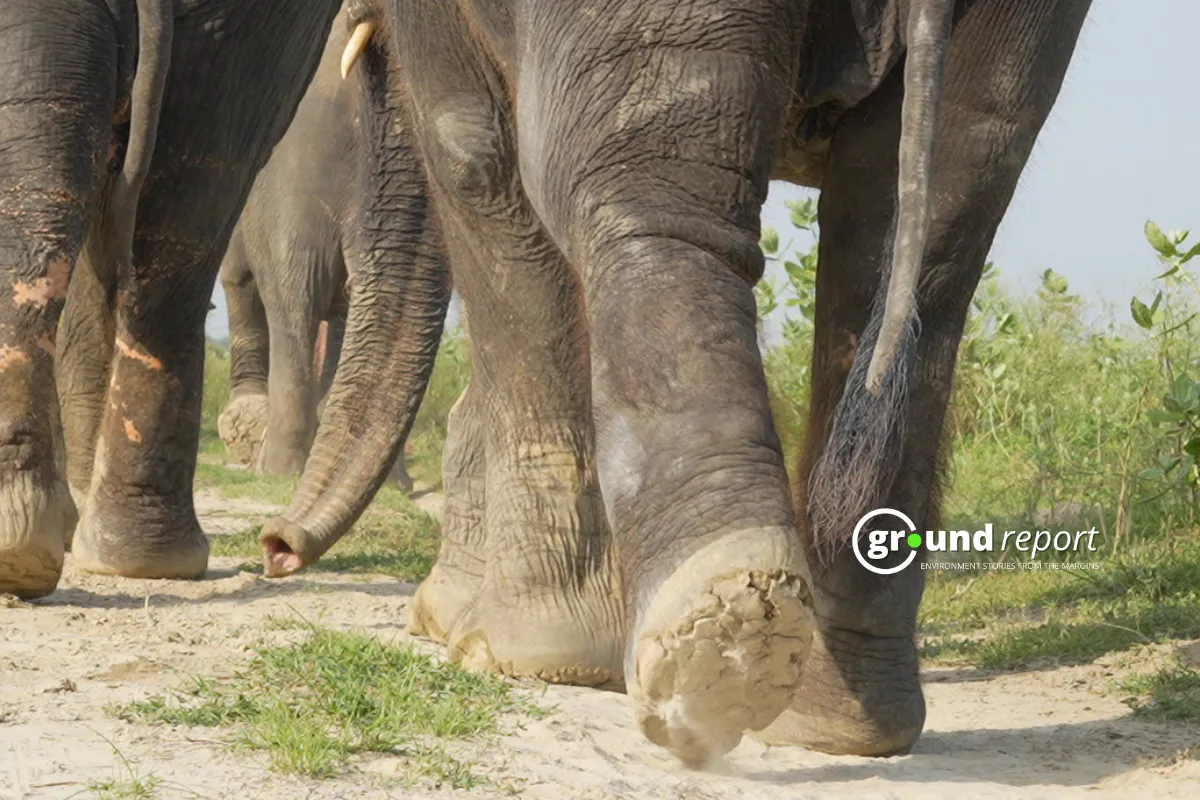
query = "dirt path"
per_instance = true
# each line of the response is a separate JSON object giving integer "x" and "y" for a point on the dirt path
{"x": 99, "y": 641}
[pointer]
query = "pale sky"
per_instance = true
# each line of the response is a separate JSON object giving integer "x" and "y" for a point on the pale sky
{"x": 1121, "y": 146}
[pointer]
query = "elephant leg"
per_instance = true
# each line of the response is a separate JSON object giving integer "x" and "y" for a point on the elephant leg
{"x": 84, "y": 352}
{"x": 55, "y": 128}
{"x": 453, "y": 583}
{"x": 228, "y": 100}
{"x": 244, "y": 418}
{"x": 292, "y": 384}
{"x": 860, "y": 691}
{"x": 547, "y": 603}
{"x": 651, "y": 173}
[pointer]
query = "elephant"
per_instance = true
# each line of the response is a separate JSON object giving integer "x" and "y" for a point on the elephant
{"x": 123, "y": 169}
{"x": 618, "y": 507}
{"x": 284, "y": 277}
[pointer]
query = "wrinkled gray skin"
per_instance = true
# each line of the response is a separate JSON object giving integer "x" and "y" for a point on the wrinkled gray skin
{"x": 82, "y": 147}
{"x": 285, "y": 273}
{"x": 617, "y": 503}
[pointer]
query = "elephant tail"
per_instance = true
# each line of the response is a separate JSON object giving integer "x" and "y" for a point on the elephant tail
{"x": 155, "y": 31}
{"x": 861, "y": 459}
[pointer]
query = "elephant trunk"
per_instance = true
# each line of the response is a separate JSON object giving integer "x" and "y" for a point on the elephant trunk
{"x": 399, "y": 296}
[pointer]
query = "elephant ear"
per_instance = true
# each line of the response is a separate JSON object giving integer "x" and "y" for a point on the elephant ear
{"x": 929, "y": 25}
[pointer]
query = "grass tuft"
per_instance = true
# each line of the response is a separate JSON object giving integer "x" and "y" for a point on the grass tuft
{"x": 1020, "y": 620}
{"x": 1172, "y": 693}
{"x": 314, "y": 704}
{"x": 126, "y": 784}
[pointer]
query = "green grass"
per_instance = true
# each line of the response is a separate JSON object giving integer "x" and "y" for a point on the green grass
{"x": 1015, "y": 620}
{"x": 127, "y": 783}
{"x": 245, "y": 484}
{"x": 1172, "y": 693}
{"x": 130, "y": 787}
{"x": 315, "y": 704}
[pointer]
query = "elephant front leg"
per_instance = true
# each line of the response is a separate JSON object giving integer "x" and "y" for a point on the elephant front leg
{"x": 55, "y": 123}
{"x": 542, "y": 596}
{"x": 527, "y": 544}
{"x": 860, "y": 691}
{"x": 650, "y": 174}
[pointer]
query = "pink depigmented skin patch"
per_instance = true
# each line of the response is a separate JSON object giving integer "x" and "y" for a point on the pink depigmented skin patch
{"x": 150, "y": 361}
{"x": 41, "y": 291}
{"x": 11, "y": 356}
{"x": 47, "y": 345}
{"x": 131, "y": 433}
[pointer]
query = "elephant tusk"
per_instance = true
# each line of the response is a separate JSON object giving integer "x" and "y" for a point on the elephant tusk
{"x": 362, "y": 34}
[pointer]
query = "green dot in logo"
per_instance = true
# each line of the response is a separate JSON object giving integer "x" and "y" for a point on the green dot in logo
{"x": 914, "y": 540}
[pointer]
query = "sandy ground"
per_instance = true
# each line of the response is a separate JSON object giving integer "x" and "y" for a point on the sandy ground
{"x": 99, "y": 641}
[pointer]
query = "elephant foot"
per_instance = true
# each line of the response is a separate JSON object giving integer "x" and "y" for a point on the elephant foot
{"x": 280, "y": 459}
{"x": 543, "y": 629}
{"x": 721, "y": 646}
{"x": 441, "y": 600}
{"x": 140, "y": 540}
{"x": 35, "y": 525}
{"x": 242, "y": 425}
{"x": 858, "y": 695}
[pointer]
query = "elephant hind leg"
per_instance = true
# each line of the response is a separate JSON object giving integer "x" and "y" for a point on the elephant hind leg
{"x": 294, "y": 310}
{"x": 244, "y": 419}
{"x": 860, "y": 692}
{"x": 55, "y": 126}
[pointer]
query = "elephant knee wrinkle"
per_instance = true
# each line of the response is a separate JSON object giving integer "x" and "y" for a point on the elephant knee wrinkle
{"x": 470, "y": 148}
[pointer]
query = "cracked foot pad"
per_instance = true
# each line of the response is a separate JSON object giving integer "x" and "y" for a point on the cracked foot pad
{"x": 727, "y": 663}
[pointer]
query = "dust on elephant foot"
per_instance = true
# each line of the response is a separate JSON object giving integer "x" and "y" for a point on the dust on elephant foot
{"x": 858, "y": 695}
{"x": 242, "y": 426}
{"x": 140, "y": 541}
{"x": 721, "y": 646}
{"x": 556, "y": 633}
{"x": 35, "y": 525}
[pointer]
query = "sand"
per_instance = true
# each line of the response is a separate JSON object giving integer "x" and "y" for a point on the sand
{"x": 99, "y": 641}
